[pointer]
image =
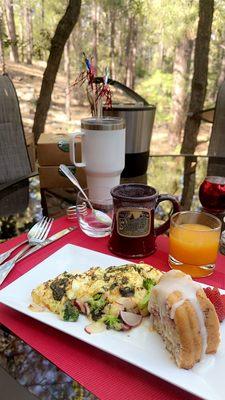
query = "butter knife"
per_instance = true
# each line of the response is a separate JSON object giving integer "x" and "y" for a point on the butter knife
{"x": 8, "y": 266}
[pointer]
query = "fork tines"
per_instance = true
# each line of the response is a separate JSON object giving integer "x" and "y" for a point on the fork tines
{"x": 43, "y": 228}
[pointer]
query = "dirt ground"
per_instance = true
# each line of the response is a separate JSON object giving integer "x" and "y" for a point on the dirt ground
{"x": 27, "y": 80}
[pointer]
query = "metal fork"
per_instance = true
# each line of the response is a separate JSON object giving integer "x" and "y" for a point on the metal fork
{"x": 37, "y": 236}
{"x": 30, "y": 234}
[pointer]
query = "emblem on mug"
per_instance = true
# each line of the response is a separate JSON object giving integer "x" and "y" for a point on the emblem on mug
{"x": 133, "y": 222}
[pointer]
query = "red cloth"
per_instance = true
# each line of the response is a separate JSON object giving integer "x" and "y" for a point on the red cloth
{"x": 108, "y": 377}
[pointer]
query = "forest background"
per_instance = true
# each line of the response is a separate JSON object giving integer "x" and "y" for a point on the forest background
{"x": 149, "y": 45}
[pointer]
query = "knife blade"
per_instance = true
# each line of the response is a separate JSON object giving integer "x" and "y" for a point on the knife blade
{"x": 48, "y": 241}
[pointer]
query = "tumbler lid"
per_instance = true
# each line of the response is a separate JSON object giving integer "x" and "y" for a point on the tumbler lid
{"x": 130, "y": 107}
{"x": 103, "y": 124}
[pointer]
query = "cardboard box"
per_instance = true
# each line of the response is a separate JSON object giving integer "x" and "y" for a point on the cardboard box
{"x": 50, "y": 177}
{"x": 53, "y": 149}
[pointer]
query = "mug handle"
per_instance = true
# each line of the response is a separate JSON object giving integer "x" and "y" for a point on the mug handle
{"x": 72, "y": 149}
{"x": 176, "y": 207}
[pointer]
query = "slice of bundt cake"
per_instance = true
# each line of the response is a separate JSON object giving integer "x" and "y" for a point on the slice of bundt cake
{"x": 184, "y": 317}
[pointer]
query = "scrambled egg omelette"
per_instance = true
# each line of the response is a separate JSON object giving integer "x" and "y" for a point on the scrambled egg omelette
{"x": 101, "y": 294}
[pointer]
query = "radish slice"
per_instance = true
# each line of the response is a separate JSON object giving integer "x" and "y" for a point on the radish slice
{"x": 80, "y": 305}
{"x": 130, "y": 318}
{"x": 87, "y": 309}
{"x": 95, "y": 327}
{"x": 35, "y": 307}
{"x": 125, "y": 327}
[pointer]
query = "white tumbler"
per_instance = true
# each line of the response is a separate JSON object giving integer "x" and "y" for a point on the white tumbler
{"x": 103, "y": 154}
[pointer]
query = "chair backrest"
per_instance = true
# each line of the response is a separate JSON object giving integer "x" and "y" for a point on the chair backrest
{"x": 14, "y": 158}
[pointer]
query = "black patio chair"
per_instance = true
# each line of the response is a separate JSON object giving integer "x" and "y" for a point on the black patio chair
{"x": 15, "y": 166}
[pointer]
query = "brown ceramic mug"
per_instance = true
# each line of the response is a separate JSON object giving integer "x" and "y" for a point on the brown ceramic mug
{"x": 133, "y": 233}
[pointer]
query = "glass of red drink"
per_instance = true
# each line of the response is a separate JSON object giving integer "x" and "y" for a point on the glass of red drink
{"x": 212, "y": 194}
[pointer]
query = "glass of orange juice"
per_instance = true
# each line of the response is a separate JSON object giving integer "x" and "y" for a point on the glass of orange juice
{"x": 193, "y": 242}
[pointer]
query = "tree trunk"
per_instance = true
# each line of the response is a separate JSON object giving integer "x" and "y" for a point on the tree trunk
{"x": 181, "y": 69}
{"x": 112, "y": 42}
{"x": 29, "y": 32}
{"x": 2, "y": 56}
{"x": 42, "y": 14}
{"x": 221, "y": 77}
{"x": 161, "y": 49}
{"x": 121, "y": 55}
{"x": 134, "y": 55}
{"x": 198, "y": 91}
{"x": 217, "y": 143}
{"x": 22, "y": 31}
{"x": 128, "y": 52}
{"x": 42, "y": 54}
{"x": 62, "y": 33}
{"x": 14, "y": 54}
{"x": 95, "y": 19}
{"x": 131, "y": 50}
{"x": 67, "y": 72}
{"x": 75, "y": 48}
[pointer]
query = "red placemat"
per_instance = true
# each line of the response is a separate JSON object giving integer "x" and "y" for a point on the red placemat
{"x": 104, "y": 375}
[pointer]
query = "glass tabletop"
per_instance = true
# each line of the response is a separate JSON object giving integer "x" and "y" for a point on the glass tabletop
{"x": 39, "y": 376}
{"x": 20, "y": 205}
{"x": 20, "y": 208}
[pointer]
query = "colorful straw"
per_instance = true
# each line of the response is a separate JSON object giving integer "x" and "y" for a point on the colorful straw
{"x": 95, "y": 92}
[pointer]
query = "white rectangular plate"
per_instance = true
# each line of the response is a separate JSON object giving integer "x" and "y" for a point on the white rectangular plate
{"x": 140, "y": 346}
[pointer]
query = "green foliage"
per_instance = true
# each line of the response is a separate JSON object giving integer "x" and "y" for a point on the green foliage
{"x": 175, "y": 17}
{"x": 161, "y": 26}
{"x": 157, "y": 90}
{"x": 42, "y": 43}
{"x": 6, "y": 41}
{"x": 217, "y": 52}
{"x": 157, "y": 178}
{"x": 140, "y": 69}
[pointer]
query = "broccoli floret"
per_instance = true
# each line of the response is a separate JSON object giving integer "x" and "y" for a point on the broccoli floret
{"x": 70, "y": 312}
{"x": 112, "y": 322}
{"x": 96, "y": 304}
{"x": 144, "y": 303}
{"x": 148, "y": 284}
{"x": 97, "y": 296}
{"x": 96, "y": 314}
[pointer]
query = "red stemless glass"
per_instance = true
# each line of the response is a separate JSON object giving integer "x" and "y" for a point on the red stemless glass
{"x": 212, "y": 194}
